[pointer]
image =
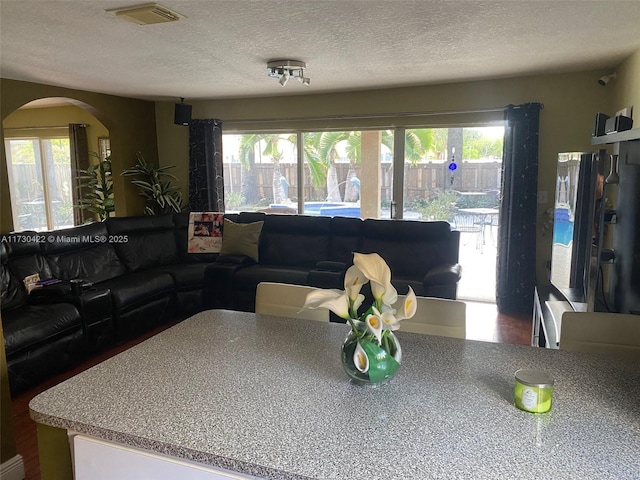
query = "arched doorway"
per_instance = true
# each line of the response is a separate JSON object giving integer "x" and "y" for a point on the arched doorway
{"x": 39, "y": 148}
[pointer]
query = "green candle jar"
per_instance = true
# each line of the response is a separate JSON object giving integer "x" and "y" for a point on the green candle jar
{"x": 533, "y": 391}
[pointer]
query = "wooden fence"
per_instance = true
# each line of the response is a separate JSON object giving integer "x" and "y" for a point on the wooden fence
{"x": 420, "y": 181}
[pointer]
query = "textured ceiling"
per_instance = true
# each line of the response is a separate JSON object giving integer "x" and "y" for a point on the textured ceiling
{"x": 222, "y": 46}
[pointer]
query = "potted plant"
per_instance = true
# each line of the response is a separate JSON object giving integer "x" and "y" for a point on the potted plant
{"x": 154, "y": 184}
{"x": 96, "y": 188}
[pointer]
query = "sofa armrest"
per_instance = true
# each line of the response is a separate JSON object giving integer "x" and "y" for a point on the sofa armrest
{"x": 235, "y": 260}
{"x": 443, "y": 274}
{"x": 93, "y": 304}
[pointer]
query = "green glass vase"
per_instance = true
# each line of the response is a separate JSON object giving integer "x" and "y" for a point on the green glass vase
{"x": 382, "y": 361}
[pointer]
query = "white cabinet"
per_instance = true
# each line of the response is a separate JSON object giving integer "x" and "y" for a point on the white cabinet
{"x": 95, "y": 459}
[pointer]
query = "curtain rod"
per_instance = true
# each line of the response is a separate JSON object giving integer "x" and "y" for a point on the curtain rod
{"x": 53, "y": 127}
{"x": 372, "y": 115}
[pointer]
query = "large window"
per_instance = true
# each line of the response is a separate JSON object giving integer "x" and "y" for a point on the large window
{"x": 346, "y": 173}
{"x": 451, "y": 169}
{"x": 351, "y": 173}
{"x": 40, "y": 183}
{"x": 260, "y": 171}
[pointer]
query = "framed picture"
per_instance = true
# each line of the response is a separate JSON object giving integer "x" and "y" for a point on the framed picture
{"x": 205, "y": 232}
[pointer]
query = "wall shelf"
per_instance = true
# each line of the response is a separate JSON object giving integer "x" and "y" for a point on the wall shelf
{"x": 633, "y": 134}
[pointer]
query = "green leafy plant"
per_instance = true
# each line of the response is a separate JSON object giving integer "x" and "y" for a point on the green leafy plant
{"x": 441, "y": 207}
{"x": 155, "y": 185}
{"x": 96, "y": 187}
{"x": 234, "y": 200}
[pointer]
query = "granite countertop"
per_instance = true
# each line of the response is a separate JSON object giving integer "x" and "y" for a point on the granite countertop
{"x": 267, "y": 396}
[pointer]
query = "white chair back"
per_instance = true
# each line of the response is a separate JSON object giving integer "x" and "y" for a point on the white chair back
{"x": 286, "y": 300}
{"x": 436, "y": 316}
{"x": 598, "y": 332}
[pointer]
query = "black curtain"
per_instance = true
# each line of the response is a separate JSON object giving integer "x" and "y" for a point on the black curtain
{"x": 516, "y": 265}
{"x": 79, "y": 161}
{"x": 206, "y": 179}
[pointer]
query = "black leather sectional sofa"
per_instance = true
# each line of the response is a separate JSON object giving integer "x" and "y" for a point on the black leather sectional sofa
{"x": 138, "y": 274}
{"x": 316, "y": 251}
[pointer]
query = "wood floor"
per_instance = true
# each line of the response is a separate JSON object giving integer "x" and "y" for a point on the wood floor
{"x": 483, "y": 323}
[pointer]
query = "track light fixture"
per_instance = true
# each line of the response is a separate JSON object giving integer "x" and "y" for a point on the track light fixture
{"x": 283, "y": 70}
{"x": 603, "y": 80}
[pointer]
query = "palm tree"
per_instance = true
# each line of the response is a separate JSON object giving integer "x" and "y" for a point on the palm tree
{"x": 317, "y": 166}
{"x": 248, "y": 180}
{"x": 271, "y": 149}
{"x": 417, "y": 143}
{"x": 351, "y": 141}
{"x": 327, "y": 151}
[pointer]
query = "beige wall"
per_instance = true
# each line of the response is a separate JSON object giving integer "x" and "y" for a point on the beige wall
{"x": 627, "y": 86}
{"x": 570, "y": 102}
{"x": 131, "y": 125}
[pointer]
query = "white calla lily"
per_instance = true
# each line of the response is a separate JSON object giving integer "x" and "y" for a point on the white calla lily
{"x": 390, "y": 295}
{"x": 381, "y": 318}
{"x": 360, "y": 359}
{"x": 357, "y": 302}
{"x": 374, "y": 325}
{"x": 389, "y": 320}
{"x": 335, "y": 300}
{"x": 373, "y": 267}
{"x": 354, "y": 279}
{"x": 409, "y": 307}
{"x": 378, "y": 272}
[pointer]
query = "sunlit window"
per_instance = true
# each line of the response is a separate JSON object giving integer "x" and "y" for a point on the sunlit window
{"x": 40, "y": 183}
{"x": 260, "y": 172}
{"x": 346, "y": 173}
{"x": 351, "y": 172}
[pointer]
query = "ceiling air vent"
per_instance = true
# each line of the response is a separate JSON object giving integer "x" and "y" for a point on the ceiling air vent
{"x": 147, "y": 14}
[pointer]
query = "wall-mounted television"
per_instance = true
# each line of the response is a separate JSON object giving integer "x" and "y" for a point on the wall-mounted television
{"x": 577, "y": 228}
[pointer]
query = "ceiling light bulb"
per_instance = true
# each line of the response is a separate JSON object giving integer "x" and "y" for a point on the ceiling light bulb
{"x": 284, "y": 79}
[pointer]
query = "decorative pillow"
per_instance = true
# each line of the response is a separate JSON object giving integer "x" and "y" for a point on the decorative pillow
{"x": 241, "y": 238}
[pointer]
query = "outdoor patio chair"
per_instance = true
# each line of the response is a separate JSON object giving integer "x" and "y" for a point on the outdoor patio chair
{"x": 466, "y": 223}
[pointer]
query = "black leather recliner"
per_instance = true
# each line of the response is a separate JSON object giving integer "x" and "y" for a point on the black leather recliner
{"x": 40, "y": 340}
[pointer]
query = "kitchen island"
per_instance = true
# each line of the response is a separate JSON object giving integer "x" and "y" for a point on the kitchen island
{"x": 266, "y": 397}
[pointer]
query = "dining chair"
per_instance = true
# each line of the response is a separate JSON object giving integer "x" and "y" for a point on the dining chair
{"x": 287, "y": 300}
{"x": 599, "y": 332}
{"x": 436, "y": 316}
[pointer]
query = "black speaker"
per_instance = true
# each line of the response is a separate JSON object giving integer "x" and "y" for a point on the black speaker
{"x": 599, "y": 124}
{"x": 182, "y": 115}
{"x": 618, "y": 124}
